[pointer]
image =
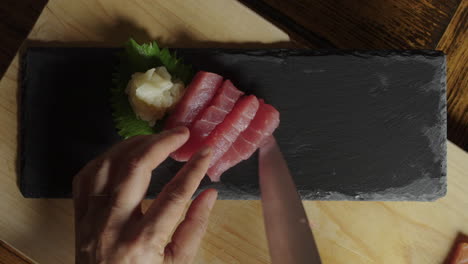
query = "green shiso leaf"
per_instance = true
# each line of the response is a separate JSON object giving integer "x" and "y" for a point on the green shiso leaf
{"x": 140, "y": 58}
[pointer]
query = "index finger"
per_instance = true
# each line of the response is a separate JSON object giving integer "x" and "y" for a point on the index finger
{"x": 135, "y": 176}
{"x": 162, "y": 216}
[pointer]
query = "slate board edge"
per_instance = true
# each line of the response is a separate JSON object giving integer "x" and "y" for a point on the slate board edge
{"x": 24, "y": 189}
{"x": 280, "y": 51}
{"x": 227, "y": 192}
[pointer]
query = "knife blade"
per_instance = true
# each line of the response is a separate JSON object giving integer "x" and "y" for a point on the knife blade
{"x": 290, "y": 238}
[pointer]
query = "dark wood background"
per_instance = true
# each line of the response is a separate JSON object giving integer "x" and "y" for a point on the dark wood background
{"x": 343, "y": 24}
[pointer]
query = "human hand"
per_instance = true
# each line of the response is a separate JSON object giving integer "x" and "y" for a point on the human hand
{"x": 110, "y": 226}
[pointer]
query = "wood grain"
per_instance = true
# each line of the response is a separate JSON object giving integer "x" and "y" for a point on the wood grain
{"x": 361, "y": 24}
{"x": 382, "y": 24}
{"x": 16, "y": 20}
{"x": 385, "y": 24}
{"x": 454, "y": 43}
{"x": 9, "y": 255}
{"x": 172, "y": 23}
{"x": 346, "y": 232}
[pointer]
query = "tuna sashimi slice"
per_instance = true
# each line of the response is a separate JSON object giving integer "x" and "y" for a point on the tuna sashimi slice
{"x": 227, "y": 96}
{"x": 262, "y": 126}
{"x": 226, "y": 133}
{"x": 222, "y": 103}
{"x": 197, "y": 96}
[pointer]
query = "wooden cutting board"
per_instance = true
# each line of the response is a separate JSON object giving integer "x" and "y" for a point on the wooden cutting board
{"x": 346, "y": 232}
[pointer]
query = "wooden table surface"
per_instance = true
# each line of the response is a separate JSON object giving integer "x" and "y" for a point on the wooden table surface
{"x": 346, "y": 232}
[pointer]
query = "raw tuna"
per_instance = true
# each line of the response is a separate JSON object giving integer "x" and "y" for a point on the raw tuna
{"x": 262, "y": 126}
{"x": 221, "y": 105}
{"x": 226, "y": 133}
{"x": 197, "y": 96}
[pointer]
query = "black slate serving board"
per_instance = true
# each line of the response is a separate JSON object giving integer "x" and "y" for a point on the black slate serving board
{"x": 357, "y": 125}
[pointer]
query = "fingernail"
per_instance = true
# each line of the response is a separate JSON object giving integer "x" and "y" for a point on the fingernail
{"x": 212, "y": 200}
{"x": 178, "y": 130}
{"x": 205, "y": 151}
